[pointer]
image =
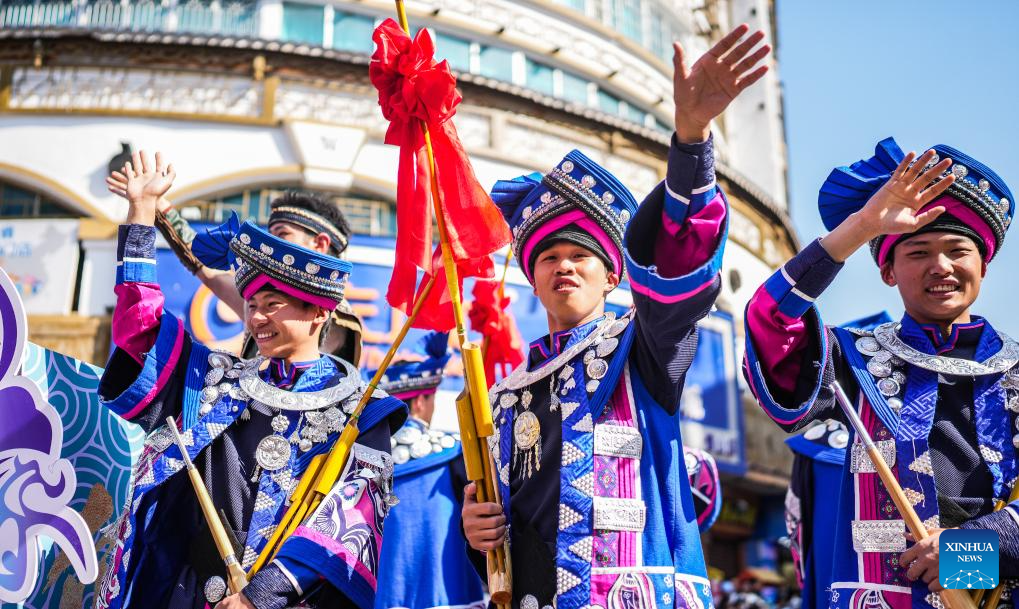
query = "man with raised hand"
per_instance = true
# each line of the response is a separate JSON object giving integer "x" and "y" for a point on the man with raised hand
{"x": 936, "y": 390}
{"x": 302, "y": 218}
{"x": 588, "y": 448}
{"x": 251, "y": 427}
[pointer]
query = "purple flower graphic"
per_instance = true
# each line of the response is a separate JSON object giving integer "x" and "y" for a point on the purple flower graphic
{"x": 35, "y": 483}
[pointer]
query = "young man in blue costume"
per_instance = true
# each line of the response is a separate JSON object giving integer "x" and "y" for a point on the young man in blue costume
{"x": 251, "y": 428}
{"x": 423, "y": 564}
{"x": 588, "y": 450}
{"x": 937, "y": 390}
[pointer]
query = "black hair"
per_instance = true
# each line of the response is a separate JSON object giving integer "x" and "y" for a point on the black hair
{"x": 316, "y": 204}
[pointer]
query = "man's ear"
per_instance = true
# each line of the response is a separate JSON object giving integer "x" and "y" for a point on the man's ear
{"x": 888, "y": 275}
{"x": 983, "y": 269}
{"x": 322, "y": 243}
{"x": 322, "y": 315}
{"x": 611, "y": 281}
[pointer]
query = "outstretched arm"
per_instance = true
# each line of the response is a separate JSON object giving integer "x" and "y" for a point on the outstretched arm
{"x": 674, "y": 244}
{"x": 789, "y": 351}
{"x": 179, "y": 234}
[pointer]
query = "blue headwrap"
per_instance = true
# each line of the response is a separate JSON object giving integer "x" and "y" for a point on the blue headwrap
{"x": 986, "y": 202}
{"x": 402, "y": 378}
{"x": 534, "y": 206}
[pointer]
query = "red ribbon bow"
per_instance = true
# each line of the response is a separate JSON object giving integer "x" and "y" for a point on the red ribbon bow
{"x": 414, "y": 89}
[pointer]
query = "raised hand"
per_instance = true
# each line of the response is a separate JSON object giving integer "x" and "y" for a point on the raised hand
{"x": 116, "y": 183}
{"x": 895, "y": 208}
{"x": 705, "y": 89}
{"x": 146, "y": 183}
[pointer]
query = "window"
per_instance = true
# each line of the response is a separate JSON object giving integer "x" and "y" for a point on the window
{"x": 496, "y": 63}
{"x": 633, "y": 114}
{"x": 578, "y": 5}
{"x": 196, "y": 16}
{"x": 353, "y": 32}
{"x": 303, "y": 23}
{"x": 626, "y": 20}
{"x": 455, "y": 50}
{"x": 539, "y": 77}
{"x": 147, "y": 16}
{"x": 17, "y": 202}
{"x": 608, "y": 102}
{"x": 575, "y": 89}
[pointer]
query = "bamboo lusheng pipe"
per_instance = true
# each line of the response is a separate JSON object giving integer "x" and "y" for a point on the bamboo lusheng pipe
{"x": 498, "y": 559}
{"x": 235, "y": 574}
{"x": 995, "y": 595}
{"x": 324, "y": 470}
{"x": 953, "y": 599}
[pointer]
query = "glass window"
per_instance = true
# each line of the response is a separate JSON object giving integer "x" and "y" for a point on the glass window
{"x": 195, "y": 16}
{"x": 579, "y": 5}
{"x": 147, "y": 16}
{"x": 539, "y": 77}
{"x": 608, "y": 102}
{"x": 633, "y": 114}
{"x": 575, "y": 89}
{"x": 353, "y": 32}
{"x": 455, "y": 50}
{"x": 239, "y": 18}
{"x": 303, "y": 23}
{"x": 16, "y": 202}
{"x": 627, "y": 19}
{"x": 497, "y": 63}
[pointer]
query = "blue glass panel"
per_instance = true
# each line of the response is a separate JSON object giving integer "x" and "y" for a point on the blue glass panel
{"x": 303, "y": 23}
{"x": 539, "y": 77}
{"x": 353, "y": 32}
{"x": 497, "y": 63}
{"x": 575, "y": 89}
{"x": 455, "y": 50}
{"x": 608, "y": 102}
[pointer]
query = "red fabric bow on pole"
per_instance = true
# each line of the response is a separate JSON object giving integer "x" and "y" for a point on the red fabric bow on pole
{"x": 491, "y": 318}
{"x": 414, "y": 88}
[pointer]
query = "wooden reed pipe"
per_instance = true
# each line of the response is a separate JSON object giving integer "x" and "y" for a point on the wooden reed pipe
{"x": 235, "y": 574}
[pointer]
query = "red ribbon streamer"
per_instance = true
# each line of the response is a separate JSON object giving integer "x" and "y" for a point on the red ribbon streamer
{"x": 491, "y": 318}
{"x": 414, "y": 88}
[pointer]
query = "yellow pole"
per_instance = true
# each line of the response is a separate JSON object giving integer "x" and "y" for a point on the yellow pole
{"x": 499, "y": 579}
{"x": 324, "y": 470}
{"x": 995, "y": 596}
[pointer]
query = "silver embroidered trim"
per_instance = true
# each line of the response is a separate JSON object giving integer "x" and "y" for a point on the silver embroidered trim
{"x": 879, "y": 535}
{"x": 612, "y": 514}
{"x": 860, "y": 462}
{"x": 521, "y": 377}
{"x": 617, "y": 441}
{"x": 258, "y": 389}
{"x": 1004, "y": 359}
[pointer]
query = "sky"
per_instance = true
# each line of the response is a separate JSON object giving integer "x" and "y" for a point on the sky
{"x": 926, "y": 73}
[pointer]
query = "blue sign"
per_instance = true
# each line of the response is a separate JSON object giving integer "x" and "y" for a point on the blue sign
{"x": 968, "y": 559}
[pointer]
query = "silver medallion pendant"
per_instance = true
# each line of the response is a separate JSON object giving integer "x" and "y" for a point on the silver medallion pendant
{"x": 280, "y": 423}
{"x": 526, "y": 430}
{"x": 273, "y": 452}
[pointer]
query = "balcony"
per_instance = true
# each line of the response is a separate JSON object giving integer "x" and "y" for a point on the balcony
{"x": 193, "y": 16}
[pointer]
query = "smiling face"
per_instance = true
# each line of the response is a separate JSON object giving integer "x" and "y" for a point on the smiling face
{"x": 938, "y": 275}
{"x": 571, "y": 283}
{"x": 295, "y": 234}
{"x": 284, "y": 326}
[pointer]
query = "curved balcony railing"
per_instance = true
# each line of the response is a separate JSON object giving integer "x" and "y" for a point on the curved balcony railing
{"x": 235, "y": 18}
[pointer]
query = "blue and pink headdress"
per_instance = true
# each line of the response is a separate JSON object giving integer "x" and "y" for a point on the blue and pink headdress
{"x": 578, "y": 201}
{"x": 978, "y": 205}
{"x": 261, "y": 260}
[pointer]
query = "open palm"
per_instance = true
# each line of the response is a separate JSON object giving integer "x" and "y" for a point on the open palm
{"x": 147, "y": 179}
{"x": 704, "y": 90}
{"x": 895, "y": 208}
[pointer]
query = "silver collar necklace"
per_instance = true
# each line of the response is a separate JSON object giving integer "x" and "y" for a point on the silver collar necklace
{"x": 887, "y": 335}
{"x": 273, "y": 396}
